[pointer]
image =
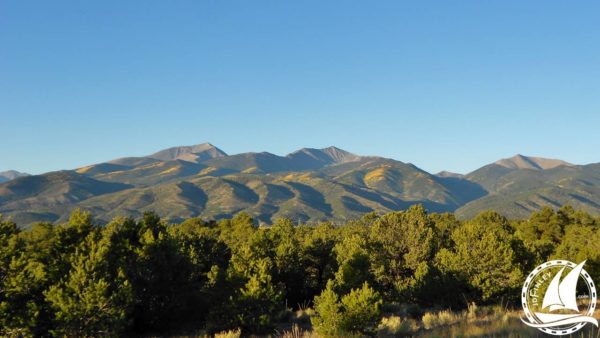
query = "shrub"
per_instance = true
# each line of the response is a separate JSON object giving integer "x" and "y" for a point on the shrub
{"x": 329, "y": 312}
{"x": 358, "y": 311}
{"x": 362, "y": 308}
{"x": 485, "y": 257}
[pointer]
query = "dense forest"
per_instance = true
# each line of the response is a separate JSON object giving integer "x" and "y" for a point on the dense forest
{"x": 147, "y": 277}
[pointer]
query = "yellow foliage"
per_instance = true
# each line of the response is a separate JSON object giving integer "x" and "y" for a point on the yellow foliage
{"x": 168, "y": 171}
{"x": 376, "y": 175}
{"x": 289, "y": 177}
{"x": 250, "y": 170}
{"x": 84, "y": 169}
{"x": 207, "y": 171}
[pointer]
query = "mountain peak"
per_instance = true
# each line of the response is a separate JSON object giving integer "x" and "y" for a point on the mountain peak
{"x": 339, "y": 155}
{"x": 11, "y": 175}
{"x": 311, "y": 158}
{"x": 445, "y": 174}
{"x": 195, "y": 153}
{"x": 330, "y": 154}
{"x": 528, "y": 162}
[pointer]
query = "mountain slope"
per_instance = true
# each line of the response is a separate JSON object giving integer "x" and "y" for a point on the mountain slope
{"x": 304, "y": 197}
{"x": 250, "y": 163}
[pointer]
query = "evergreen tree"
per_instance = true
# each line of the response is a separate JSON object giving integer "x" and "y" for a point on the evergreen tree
{"x": 361, "y": 310}
{"x": 95, "y": 298}
{"x": 403, "y": 245}
{"x": 357, "y": 312}
{"x": 581, "y": 242}
{"x": 329, "y": 318}
{"x": 354, "y": 264}
{"x": 483, "y": 256}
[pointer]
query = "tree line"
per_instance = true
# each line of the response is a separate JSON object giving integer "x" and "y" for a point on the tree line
{"x": 145, "y": 276}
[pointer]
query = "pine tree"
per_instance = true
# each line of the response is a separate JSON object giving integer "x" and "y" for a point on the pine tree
{"x": 95, "y": 298}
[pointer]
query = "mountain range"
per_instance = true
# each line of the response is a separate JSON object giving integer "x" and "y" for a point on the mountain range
{"x": 306, "y": 185}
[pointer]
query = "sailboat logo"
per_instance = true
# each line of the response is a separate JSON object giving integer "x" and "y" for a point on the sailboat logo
{"x": 558, "y": 311}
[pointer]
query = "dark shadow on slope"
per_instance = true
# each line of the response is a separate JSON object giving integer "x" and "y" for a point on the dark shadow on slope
{"x": 275, "y": 195}
{"x": 375, "y": 197}
{"x": 464, "y": 190}
{"x": 585, "y": 200}
{"x": 354, "y": 205}
{"x": 547, "y": 200}
{"x": 277, "y": 192}
{"x": 312, "y": 197}
{"x": 399, "y": 204}
{"x": 193, "y": 194}
{"x": 242, "y": 192}
{"x": 218, "y": 217}
{"x": 432, "y": 206}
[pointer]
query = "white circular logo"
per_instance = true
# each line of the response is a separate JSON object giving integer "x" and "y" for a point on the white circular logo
{"x": 552, "y": 297}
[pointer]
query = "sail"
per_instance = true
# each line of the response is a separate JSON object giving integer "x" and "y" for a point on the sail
{"x": 563, "y": 294}
{"x": 552, "y": 296}
{"x": 568, "y": 288}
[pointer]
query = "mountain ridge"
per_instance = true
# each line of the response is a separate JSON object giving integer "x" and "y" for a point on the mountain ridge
{"x": 308, "y": 184}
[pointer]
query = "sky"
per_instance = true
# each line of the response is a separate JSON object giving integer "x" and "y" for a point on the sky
{"x": 445, "y": 85}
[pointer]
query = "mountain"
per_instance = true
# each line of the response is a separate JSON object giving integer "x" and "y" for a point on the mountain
{"x": 335, "y": 192}
{"x": 49, "y": 197}
{"x": 10, "y": 175}
{"x": 489, "y": 176}
{"x": 535, "y": 163}
{"x": 309, "y": 158}
{"x": 519, "y": 185}
{"x": 206, "y": 159}
{"x": 306, "y": 185}
{"x": 196, "y": 153}
{"x": 445, "y": 173}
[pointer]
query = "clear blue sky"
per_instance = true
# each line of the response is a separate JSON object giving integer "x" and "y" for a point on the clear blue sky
{"x": 442, "y": 84}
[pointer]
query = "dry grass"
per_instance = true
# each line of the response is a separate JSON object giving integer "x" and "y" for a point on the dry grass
{"x": 394, "y": 326}
{"x": 475, "y": 321}
{"x": 303, "y": 316}
{"x": 229, "y": 334}
{"x": 442, "y": 318}
{"x": 297, "y": 332}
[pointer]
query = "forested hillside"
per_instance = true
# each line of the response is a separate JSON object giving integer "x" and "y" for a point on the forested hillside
{"x": 146, "y": 276}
